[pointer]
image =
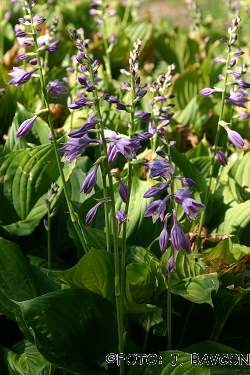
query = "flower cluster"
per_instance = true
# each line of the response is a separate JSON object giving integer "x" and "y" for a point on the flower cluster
{"x": 100, "y": 10}
{"x": 238, "y": 87}
{"x": 157, "y": 209}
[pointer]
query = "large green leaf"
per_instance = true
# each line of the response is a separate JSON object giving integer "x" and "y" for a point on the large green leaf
{"x": 19, "y": 280}
{"x": 94, "y": 271}
{"x": 7, "y": 103}
{"x": 239, "y": 179}
{"x": 26, "y": 176}
{"x": 24, "y": 359}
{"x": 236, "y": 221}
{"x": 37, "y": 136}
{"x": 168, "y": 363}
{"x": 220, "y": 359}
{"x": 197, "y": 289}
{"x": 186, "y": 86}
{"x": 141, "y": 280}
{"x": 72, "y": 328}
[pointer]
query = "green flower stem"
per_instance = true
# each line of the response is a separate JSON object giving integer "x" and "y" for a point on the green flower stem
{"x": 48, "y": 239}
{"x": 73, "y": 215}
{"x": 209, "y": 188}
{"x": 129, "y": 182}
{"x": 115, "y": 228}
{"x": 218, "y": 326}
{"x": 169, "y": 312}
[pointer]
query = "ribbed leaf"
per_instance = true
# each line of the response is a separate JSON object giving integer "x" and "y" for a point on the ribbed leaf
{"x": 72, "y": 328}
{"x": 25, "y": 178}
{"x": 25, "y": 359}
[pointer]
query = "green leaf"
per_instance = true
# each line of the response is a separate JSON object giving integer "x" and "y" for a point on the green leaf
{"x": 39, "y": 258}
{"x": 26, "y": 176}
{"x": 37, "y": 136}
{"x": 141, "y": 280}
{"x": 169, "y": 363}
{"x": 236, "y": 221}
{"x": 94, "y": 271}
{"x": 72, "y": 328}
{"x": 220, "y": 359}
{"x": 25, "y": 359}
{"x": 7, "y": 103}
{"x": 19, "y": 280}
{"x": 239, "y": 179}
{"x": 186, "y": 86}
{"x": 197, "y": 289}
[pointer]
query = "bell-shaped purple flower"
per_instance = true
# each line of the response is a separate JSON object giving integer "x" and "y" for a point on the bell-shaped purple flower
{"x": 170, "y": 265}
{"x": 158, "y": 168}
{"x": 20, "y": 76}
{"x": 123, "y": 191}
{"x": 25, "y": 127}
{"x": 235, "y": 138}
{"x": 221, "y": 157}
{"x": 90, "y": 181}
{"x": 90, "y": 123}
{"x": 92, "y": 212}
{"x": 238, "y": 99}
{"x": 207, "y": 91}
{"x": 191, "y": 206}
{"x": 164, "y": 236}
{"x": 75, "y": 146}
{"x": 182, "y": 194}
{"x": 157, "y": 209}
{"x": 56, "y": 89}
{"x": 127, "y": 147}
{"x": 121, "y": 216}
{"x": 112, "y": 154}
{"x": 186, "y": 181}
{"x": 178, "y": 238}
{"x": 152, "y": 192}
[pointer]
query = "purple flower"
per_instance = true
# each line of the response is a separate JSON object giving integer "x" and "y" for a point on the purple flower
{"x": 123, "y": 191}
{"x": 152, "y": 192}
{"x": 23, "y": 56}
{"x": 157, "y": 209}
{"x": 112, "y": 39}
{"x": 170, "y": 265}
{"x": 90, "y": 181}
{"x": 92, "y": 212}
{"x": 121, "y": 216}
{"x": 191, "y": 206}
{"x": 83, "y": 102}
{"x": 75, "y": 146}
{"x": 56, "y": 89}
{"x": 186, "y": 181}
{"x": 182, "y": 194}
{"x": 127, "y": 147}
{"x": 243, "y": 85}
{"x": 144, "y": 136}
{"x": 33, "y": 61}
{"x": 25, "y": 127}
{"x": 244, "y": 115}
{"x": 238, "y": 99}
{"x": 52, "y": 49}
{"x": 221, "y": 157}
{"x": 164, "y": 236}
{"x": 235, "y": 138}
{"x": 78, "y": 133}
{"x": 178, "y": 238}
{"x": 20, "y": 76}
{"x": 207, "y": 91}
{"x": 112, "y": 154}
{"x": 158, "y": 168}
